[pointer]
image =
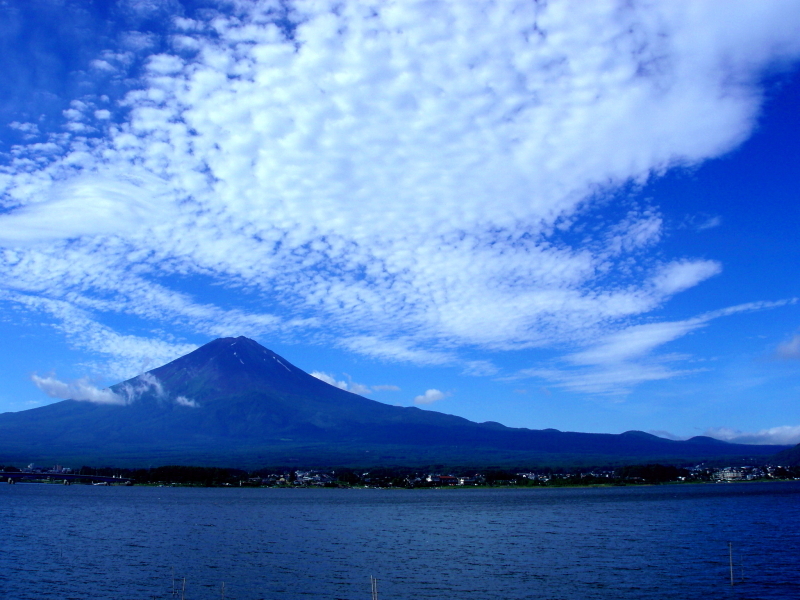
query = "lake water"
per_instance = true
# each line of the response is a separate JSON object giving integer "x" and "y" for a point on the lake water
{"x": 61, "y": 542}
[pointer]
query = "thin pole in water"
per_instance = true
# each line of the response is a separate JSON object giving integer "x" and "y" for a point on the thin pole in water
{"x": 730, "y": 558}
{"x": 374, "y": 582}
{"x": 183, "y": 590}
{"x": 223, "y": 590}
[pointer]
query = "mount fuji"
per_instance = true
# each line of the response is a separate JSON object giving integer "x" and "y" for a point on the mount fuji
{"x": 233, "y": 402}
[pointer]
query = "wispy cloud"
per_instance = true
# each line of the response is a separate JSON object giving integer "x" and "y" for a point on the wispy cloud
{"x": 29, "y": 130}
{"x": 613, "y": 379}
{"x": 700, "y": 222}
{"x": 400, "y": 350}
{"x": 146, "y": 383}
{"x": 789, "y": 349}
{"x": 784, "y": 435}
{"x": 392, "y": 186}
{"x": 81, "y": 389}
{"x": 617, "y": 362}
{"x": 430, "y": 396}
{"x": 480, "y": 368}
{"x": 633, "y": 342}
{"x": 710, "y": 223}
{"x": 126, "y": 393}
{"x": 120, "y": 356}
{"x": 350, "y": 385}
{"x": 386, "y": 388}
{"x": 184, "y": 401}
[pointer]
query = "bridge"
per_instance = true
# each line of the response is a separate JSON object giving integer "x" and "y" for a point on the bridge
{"x": 15, "y": 476}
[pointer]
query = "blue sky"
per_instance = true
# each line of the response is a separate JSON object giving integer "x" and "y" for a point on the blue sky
{"x": 573, "y": 215}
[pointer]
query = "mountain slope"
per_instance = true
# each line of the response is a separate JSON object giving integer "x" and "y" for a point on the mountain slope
{"x": 789, "y": 457}
{"x": 233, "y": 401}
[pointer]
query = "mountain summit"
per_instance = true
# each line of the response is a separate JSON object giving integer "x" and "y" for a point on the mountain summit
{"x": 234, "y": 402}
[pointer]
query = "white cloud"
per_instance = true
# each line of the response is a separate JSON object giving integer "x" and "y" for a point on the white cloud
{"x": 165, "y": 64}
{"x": 430, "y": 396}
{"x": 411, "y": 176}
{"x": 783, "y": 435}
{"x": 350, "y": 385}
{"x": 386, "y": 388}
{"x": 329, "y": 379}
{"x": 72, "y": 114}
{"x": 138, "y": 41}
{"x": 400, "y": 350}
{"x": 710, "y": 223}
{"x": 480, "y": 368}
{"x": 637, "y": 230}
{"x": 147, "y": 383}
{"x": 701, "y": 222}
{"x": 358, "y": 388}
{"x": 88, "y": 205}
{"x": 678, "y": 276}
{"x": 29, "y": 130}
{"x": 633, "y": 342}
{"x": 184, "y": 401}
{"x": 102, "y": 65}
{"x": 123, "y": 356}
{"x": 143, "y": 384}
{"x": 127, "y": 393}
{"x": 81, "y": 389}
{"x": 617, "y": 362}
{"x": 789, "y": 349}
{"x": 747, "y": 307}
{"x": 614, "y": 379}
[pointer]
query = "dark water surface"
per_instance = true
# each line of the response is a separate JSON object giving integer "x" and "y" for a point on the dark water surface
{"x": 60, "y": 542}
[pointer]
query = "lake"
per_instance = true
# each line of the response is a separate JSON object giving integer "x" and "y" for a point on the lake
{"x": 669, "y": 541}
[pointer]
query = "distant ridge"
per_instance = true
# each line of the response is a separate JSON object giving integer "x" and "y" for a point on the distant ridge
{"x": 233, "y": 402}
{"x": 704, "y": 439}
{"x": 789, "y": 457}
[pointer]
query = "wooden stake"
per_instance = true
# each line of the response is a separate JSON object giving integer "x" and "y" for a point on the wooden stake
{"x": 730, "y": 557}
